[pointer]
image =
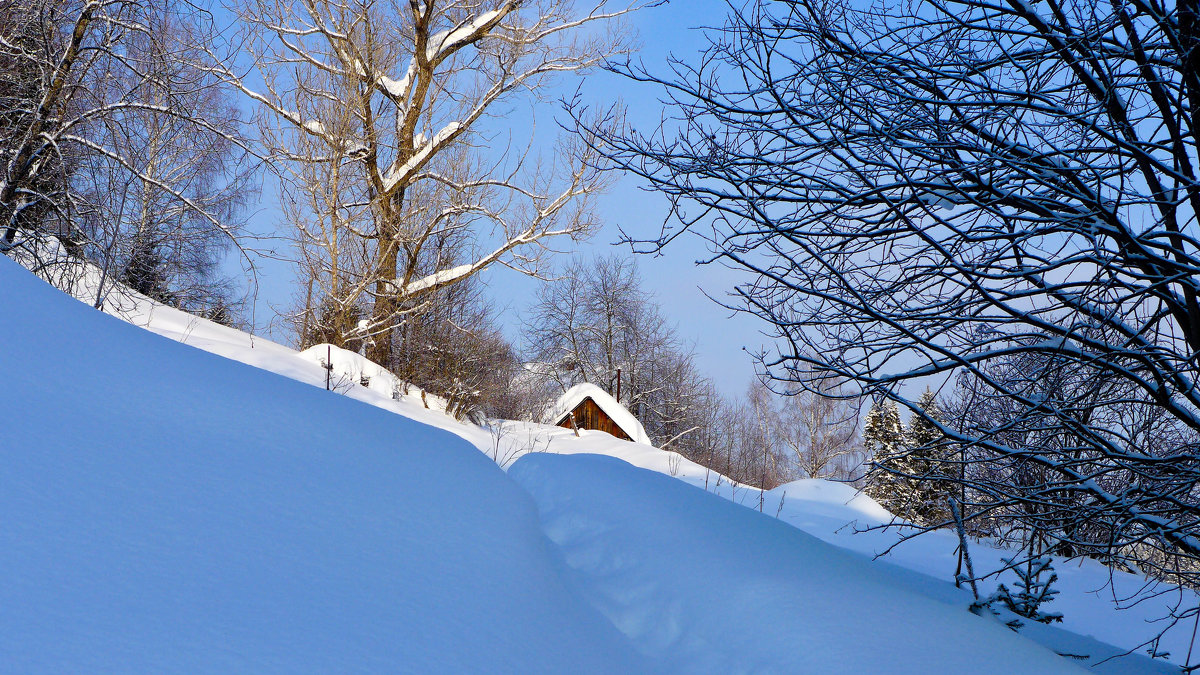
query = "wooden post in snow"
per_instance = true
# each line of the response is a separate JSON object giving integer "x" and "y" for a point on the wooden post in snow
{"x": 574, "y": 427}
{"x": 328, "y": 365}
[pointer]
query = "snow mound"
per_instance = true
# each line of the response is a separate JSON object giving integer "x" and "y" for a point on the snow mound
{"x": 351, "y": 369}
{"x": 166, "y": 509}
{"x": 817, "y": 497}
{"x": 686, "y": 575}
{"x": 171, "y": 510}
{"x": 577, "y": 394}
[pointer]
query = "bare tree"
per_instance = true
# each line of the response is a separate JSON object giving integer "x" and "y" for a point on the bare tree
{"x": 597, "y": 324}
{"x": 453, "y": 347}
{"x": 377, "y": 114}
{"x": 595, "y": 319}
{"x": 819, "y": 430}
{"x": 1038, "y": 524}
{"x": 154, "y": 234}
{"x": 119, "y": 141}
{"x": 760, "y": 437}
{"x": 930, "y": 191}
{"x": 35, "y": 175}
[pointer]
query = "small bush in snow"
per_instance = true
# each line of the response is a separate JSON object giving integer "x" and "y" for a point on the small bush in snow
{"x": 1031, "y": 590}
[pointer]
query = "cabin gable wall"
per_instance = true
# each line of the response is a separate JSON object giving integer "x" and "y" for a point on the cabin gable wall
{"x": 589, "y": 415}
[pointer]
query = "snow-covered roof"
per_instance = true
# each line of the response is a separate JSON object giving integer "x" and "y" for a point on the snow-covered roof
{"x": 580, "y": 392}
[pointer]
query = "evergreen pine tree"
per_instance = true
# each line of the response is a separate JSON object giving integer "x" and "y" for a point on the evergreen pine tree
{"x": 928, "y": 463}
{"x": 1033, "y": 590}
{"x": 910, "y": 475}
{"x": 883, "y": 439}
{"x": 145, "y": 272}
{"x": 1029, "y": 593}
{"x": 921, "y": 431}
{"x": 882, "y": 433}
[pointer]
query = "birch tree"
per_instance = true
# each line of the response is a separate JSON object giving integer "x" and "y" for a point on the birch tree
{"x": 33, "y": 182}
{"x": 379, "y": 114}
{"x": 113, "y": 115}
{"x": 154, "y": 233}
{"x": 819, "y": 430}
{"x": 925, "y": 190}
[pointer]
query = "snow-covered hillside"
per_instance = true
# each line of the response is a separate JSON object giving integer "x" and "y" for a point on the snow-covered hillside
{"x": 165, "y": 508}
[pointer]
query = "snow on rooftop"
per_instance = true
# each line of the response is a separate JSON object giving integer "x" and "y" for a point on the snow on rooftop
{"x": 611, "y": 407}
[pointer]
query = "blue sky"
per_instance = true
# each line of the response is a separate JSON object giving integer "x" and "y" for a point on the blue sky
{"x": 678, "y": 283}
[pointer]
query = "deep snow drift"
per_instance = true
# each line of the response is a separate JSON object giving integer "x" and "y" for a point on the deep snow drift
{"x": 709, "y": 586}
{"x": 1089, "y": 592}
{"x": 168, "y": 509}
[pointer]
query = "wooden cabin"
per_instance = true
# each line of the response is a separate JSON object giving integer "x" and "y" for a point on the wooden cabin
{"x": 589, "y": 415}
{"x": 595, "y": 409}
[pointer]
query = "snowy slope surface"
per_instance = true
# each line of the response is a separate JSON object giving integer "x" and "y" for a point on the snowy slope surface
{"x": 166, "y": 509}
{"x": 647, "y": 548}
{"x": 351, "y": 370}
{"x": 189, "y": 513}
{"x": 1089, "y": 592}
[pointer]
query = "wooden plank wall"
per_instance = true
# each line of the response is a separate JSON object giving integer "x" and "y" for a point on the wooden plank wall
{"x": 588, "y": 415}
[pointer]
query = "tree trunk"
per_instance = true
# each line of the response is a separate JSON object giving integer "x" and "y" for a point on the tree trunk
{"x": 387, "y": 301}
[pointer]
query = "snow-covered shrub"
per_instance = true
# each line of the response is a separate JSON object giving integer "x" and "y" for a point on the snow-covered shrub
{"x": 1030, "y": 591}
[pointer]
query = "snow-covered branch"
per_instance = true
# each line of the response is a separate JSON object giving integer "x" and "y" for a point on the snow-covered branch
{"x": 374, "y": 112}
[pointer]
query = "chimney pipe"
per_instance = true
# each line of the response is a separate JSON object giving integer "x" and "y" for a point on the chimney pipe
{"x": 618, "y": 385}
